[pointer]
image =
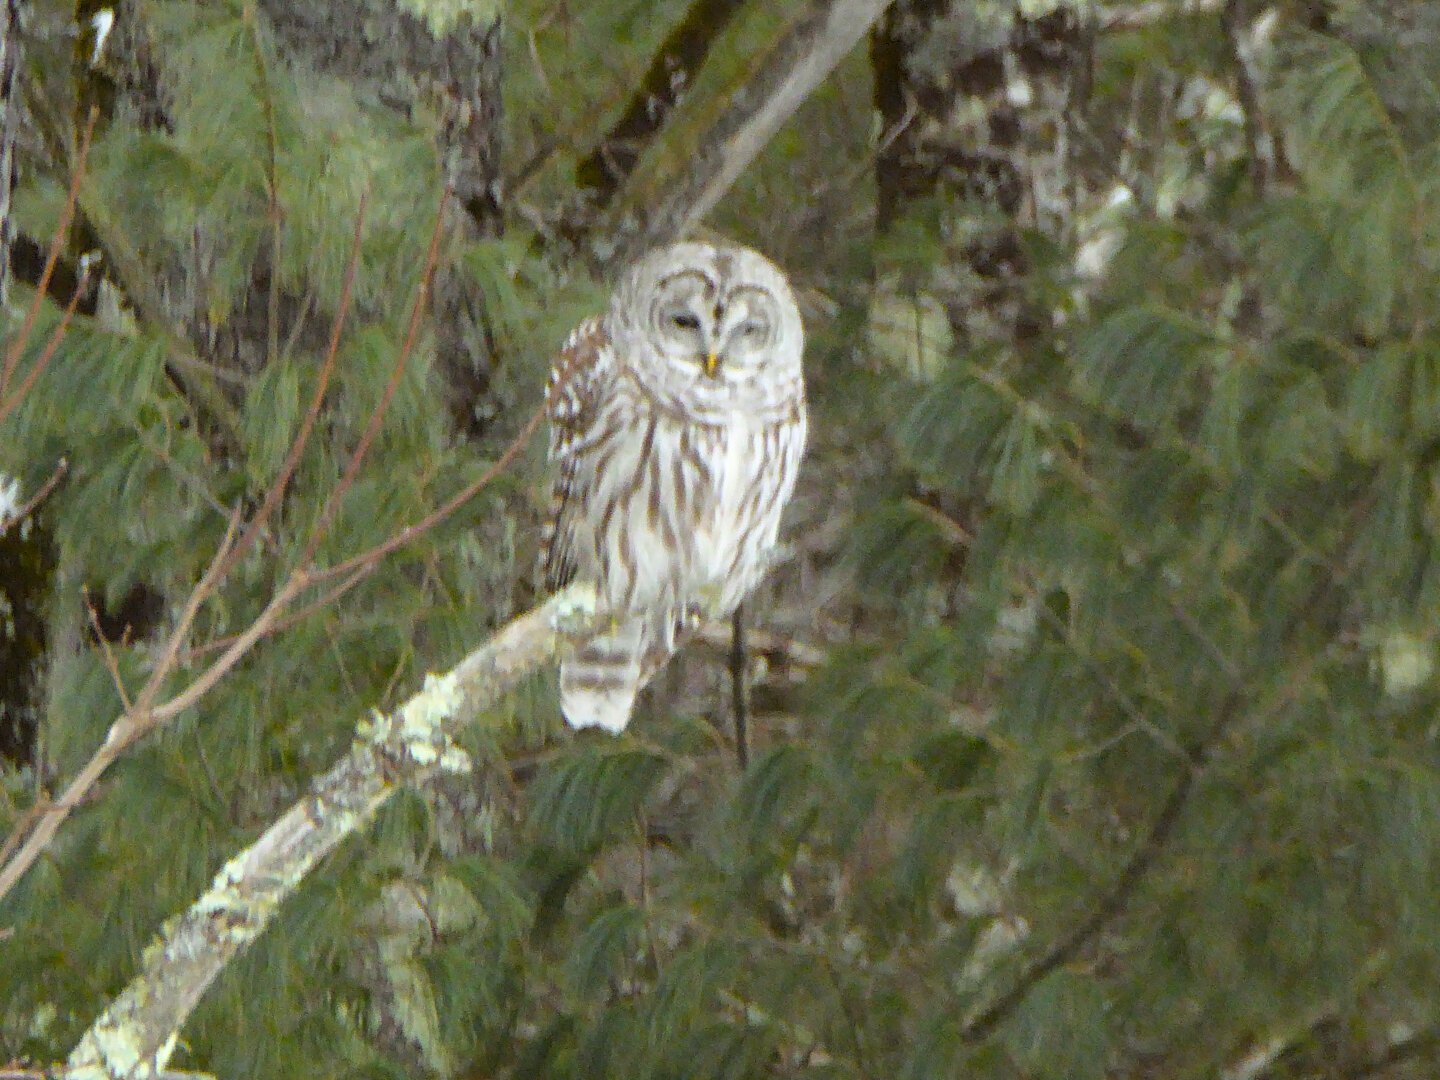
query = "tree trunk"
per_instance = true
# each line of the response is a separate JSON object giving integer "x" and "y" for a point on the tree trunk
{"x": 976, "y": 110}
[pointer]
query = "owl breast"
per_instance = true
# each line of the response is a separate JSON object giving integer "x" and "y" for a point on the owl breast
{"x": 692, "y": 511}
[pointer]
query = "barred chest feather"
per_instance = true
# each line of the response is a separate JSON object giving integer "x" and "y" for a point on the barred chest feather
{"x": 698, "y": 512}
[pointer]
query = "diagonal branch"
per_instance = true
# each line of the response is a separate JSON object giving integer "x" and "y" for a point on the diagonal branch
{"x": 136, "y": 1035}
{"x": 1115, "y": 901}
{"x": 672, "y": 70}
{"x": 763, "y": 100}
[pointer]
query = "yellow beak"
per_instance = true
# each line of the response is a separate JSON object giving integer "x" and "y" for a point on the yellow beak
{"x": 712, "y": 363}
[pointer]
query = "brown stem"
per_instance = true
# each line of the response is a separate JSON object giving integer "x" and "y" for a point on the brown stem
{"x": 739, "y": 689}
{"x": 17, "y": 346}
{"x": 10, "y": 404}
{"x": 1261, "y": 155}
{"x": 27, "y": 508}
{"x": 312, "y": 414}
{"x": 373, "y": 556}
{"x": 377, "y": 415}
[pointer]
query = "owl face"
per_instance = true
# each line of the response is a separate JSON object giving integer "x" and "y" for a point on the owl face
{"x": 716, "y": 327}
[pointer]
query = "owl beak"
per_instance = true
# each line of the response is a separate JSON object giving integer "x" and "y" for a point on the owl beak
{"x": 712, "y": 363}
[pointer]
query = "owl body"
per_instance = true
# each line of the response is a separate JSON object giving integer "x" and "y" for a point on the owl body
{"x": 677, "y": 426}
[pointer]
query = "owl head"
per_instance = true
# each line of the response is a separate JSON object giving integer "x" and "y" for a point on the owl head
{"x": 713, "y": 328}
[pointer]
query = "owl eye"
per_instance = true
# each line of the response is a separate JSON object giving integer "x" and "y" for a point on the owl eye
{"x": 685, "y": 320}
{"x": 751, "y": 329}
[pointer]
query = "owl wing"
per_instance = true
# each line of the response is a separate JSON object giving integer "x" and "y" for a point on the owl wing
{"x": 570, "y": 407}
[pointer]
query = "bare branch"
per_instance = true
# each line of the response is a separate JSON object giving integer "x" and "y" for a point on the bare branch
{"x": 10, "y": 404}
{"x": 136, "y": 1035}
{"x": 979, "y": 1026}
{"x": 133, "y": 724}
{"x": 17, "y": 346}
{"x": 138, "y": 721}
{"x": 25, "y": 509}
{"x": 1247, "y": 82}
{"x": 435, "y": 517}
{"x": 111, "y": 664}
{"x": 740, "y": 687}
{"x": 785, "y": 77}
{"x": 312, "y": 414}
{"x": 672, "y": 70}
{"x": 377, "y": 415}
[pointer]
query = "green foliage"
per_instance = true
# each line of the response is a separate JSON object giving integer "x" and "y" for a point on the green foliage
{"x": 1125, "y": 723}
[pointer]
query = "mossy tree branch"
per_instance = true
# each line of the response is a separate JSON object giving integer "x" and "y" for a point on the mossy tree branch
{"x": 136, "y": 1035}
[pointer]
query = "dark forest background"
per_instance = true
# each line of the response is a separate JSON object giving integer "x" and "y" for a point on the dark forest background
{"x": 1089, "y": 728}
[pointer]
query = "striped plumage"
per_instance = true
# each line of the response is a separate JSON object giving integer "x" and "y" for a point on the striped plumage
{"x": 677, "y": 422}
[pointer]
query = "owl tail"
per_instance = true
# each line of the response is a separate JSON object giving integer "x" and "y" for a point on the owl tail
{"x": 599, "y": 682}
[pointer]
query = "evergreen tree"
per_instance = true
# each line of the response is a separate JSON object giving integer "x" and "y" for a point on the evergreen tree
{"x": 1090, "y": 726}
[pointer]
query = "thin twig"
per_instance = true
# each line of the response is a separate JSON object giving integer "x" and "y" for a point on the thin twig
{"x": 1257, "y": 139}
{"x": 357, "y": 568}
{"x": 10, "y": 404}
{"x": 209, "y": 582}
{"x": 272, "y": 181}
{"x": 293, "y": 619}
{"x": 435, "y": 517}
{"x": 409, "y": 746}
{"x": 317, "y": 399}
{"x": 12, "y": 355}
{"x": 130, "y": 726}
{"x": 22, "y": 828}
{"x": 739, "y": 688}
{"x": 777, "y": 649}
{"x": 377, "y": 415}
{"x": 145, "y": 716}
{"x": 111, "y": 665}
{"x": 25, "y": 509}
{"x": 1113, "y": 903}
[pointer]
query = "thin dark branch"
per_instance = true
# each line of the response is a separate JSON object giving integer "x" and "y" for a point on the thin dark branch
{"x": 778, "y": 85}
{"x": 277, "y": 488}
{"x": 17, "y": 346}
{"x": 408, "y": 747}
{"x": 1113, "y": 903}
{"x": 430, "y": 520}
{"x": 739, "y": 687}
{"x": 9, "y": 404}
{"x": 9, "y": 124}
{"x": 600, "y": 175}
{"x": 27, "y": 266}
{"x": 377, "y": 415}
{"x": 25, "y": 509}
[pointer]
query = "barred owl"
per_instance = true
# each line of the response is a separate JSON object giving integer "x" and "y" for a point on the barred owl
{"x": 677, "y": 421}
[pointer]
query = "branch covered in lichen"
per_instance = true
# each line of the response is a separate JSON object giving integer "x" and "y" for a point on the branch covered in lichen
{"x": 136, "y": 1035}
